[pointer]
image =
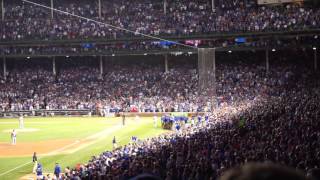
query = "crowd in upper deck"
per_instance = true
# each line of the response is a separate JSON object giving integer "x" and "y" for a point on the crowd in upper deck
{"x": 23, "y": 21}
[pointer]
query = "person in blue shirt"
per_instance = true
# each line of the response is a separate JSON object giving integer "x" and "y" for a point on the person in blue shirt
{"x": 185, "y": 120}
{"x": 134, "y": 139}
{"x": 178, "y": 127}
{"x": 57, "y": 170}
{"x": 206, "y": 118}
{"x": 199, "y": 119}
{"x": 39, "y": 171}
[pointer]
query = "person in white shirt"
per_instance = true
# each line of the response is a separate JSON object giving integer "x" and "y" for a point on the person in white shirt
{"x": 155, "y": 121}
{"x": 13, "y": 137}
{"x": 21, "y": 122}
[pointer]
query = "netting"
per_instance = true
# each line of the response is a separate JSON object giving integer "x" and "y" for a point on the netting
{"x": 207, "y": 73}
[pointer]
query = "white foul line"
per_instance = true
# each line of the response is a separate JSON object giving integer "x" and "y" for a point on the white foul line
{"x": 51, "y": 153}
{"x": 15, "y": 168}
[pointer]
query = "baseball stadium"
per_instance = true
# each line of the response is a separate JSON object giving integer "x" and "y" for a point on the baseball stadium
{"x": 159, "y": 89}
{"x": 67, "y": 140}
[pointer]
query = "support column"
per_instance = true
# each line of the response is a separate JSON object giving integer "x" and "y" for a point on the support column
{"x": 165, "y": 6}
{"x": 101, "y": 66}
{"x": 51, "y": 9}
{"x": 54, "y": 70}
{"x": 4, "y": 68}
{"x": 2, "y": 9}
{"x": 166, "y": 63}
{"x": 99, "y": 4}
{"x": 213, "y": 6}
{"x": 315, "y": 59}
{"x": 267, "y": 61}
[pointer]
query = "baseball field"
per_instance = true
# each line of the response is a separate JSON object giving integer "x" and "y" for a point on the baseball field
{"x": 65, "y": 140}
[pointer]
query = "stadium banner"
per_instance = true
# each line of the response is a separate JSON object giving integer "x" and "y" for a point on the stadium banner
{"x": 262, "y": 2}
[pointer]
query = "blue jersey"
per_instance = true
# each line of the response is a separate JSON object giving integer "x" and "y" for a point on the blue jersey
{"x": 39, "y": 170}
{"x": 57, "y": 169}
{"x": 178, "y": 127}
{"x": 134, "y": 138}
{"x": 206, "y": 118}
{"x": 186, "y": 120}
{"x": 199, "y": 118}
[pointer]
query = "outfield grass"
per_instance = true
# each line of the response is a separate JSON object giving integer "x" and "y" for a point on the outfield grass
{"x": 53, "y": 128}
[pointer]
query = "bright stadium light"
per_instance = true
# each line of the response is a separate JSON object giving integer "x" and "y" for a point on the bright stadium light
{"x": 28, "y": 57}
{"x": 314, "y": 48}
{"x": 67, "y": 56}
{"x": 229, "y": 51}
{"x": 273, "y": 50}
{"x": 113, "y": 54}
{"x": 145, "y": 54}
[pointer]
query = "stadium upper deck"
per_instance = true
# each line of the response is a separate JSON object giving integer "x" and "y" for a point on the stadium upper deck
{"x": 22, "y": 21}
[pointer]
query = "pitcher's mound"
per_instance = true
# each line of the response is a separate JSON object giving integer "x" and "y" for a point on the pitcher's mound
{"x": 21, "y": 130}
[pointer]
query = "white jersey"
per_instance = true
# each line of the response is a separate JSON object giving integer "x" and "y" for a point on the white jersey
{"x": 21, "y": 124}
{"x": 13, "y": 134}
{"x": 155, "y": 121}
{"x": 13, "y": 137}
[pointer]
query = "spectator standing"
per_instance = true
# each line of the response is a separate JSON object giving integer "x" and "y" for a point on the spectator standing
{"x": 57, "y": 170}
{"x": 39, "y": 171}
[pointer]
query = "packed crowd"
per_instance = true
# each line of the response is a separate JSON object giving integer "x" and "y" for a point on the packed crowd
{"x": 143, "y": 86}
{"x": 281, "y": 127}
{"x": 253, "y": 120}
{"x": 24, "y": 21}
